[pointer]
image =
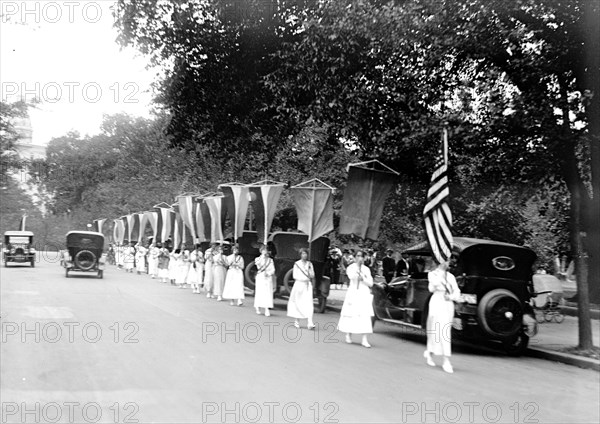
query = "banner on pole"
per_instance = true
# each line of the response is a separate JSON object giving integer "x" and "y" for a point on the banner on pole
{"x": 369, "y": 184}
{"x": 236, "y": 203}
{"x": 314, "y": 205}
{"x": 264, "y": 198}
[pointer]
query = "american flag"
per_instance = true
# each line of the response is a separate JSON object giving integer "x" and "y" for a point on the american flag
{"x": 437, "y": 215}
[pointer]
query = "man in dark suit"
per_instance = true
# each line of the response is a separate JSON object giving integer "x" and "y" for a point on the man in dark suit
{"x": 403, "y": 265}
{"x": 388, "y": 264}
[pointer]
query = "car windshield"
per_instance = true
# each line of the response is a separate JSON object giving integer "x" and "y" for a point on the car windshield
{"x": 18, "y": 240}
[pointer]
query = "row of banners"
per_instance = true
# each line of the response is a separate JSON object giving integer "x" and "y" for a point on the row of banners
{"x": 196, "y": 218}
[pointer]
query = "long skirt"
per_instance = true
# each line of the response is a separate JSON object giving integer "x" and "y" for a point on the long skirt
{"x": 140, "y": 263}
{"x": 182, "y": 274}
{"x": 196, "y": 275}
{"x": 163, "y": 273}
{"x": 234, "y": 284}
{"x": 129, "y": 262}
{"x": 439, "y": 325}
{"x": 208, "y": 277}
{"x": 300, "y": 304}
{"x": 263, "y": 293}
{"x": 357, "y": 311}
{"x": 152, "y": 265}
{"x": 219, "y": 272}
{"x": 173, "y": 269}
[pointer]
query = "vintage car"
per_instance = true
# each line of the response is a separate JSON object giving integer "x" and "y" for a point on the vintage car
{"x": 285, "y": 246}
{"x": 84, "y": 252}
{"x": 495, "y": 280}
{"x": 18, "y": 247}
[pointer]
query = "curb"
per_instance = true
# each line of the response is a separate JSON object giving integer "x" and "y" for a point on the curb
{"x": 572, "y": 312}
{"x": 550, "y": 355}
{"x": 565, "y": 358}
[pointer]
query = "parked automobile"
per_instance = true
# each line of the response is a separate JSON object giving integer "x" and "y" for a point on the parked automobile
{"x": 495, "y": 280}
{"x": 84, "y": 252}
{"x": 18, "y": 247}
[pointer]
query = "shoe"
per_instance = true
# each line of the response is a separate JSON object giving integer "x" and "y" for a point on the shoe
{"x": 311, "y": 326}
{"x": 428, "y": 359}
{"x": 240, "y": 303}
{"x": 231, "y": 303}
{"x": 267, "y": 313}
{"x": 208, "y": 295}
{"x": 296, "y": 324}
{"x": 366, "y": 344}
{"x": 448, "y": 367}
{"x": 257, "y": 311}
{"x": 348, "y": 339}
{"x": 219, "y": 299}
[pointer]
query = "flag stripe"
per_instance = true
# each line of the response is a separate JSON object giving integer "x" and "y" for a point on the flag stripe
{"x": 437, "y": 214}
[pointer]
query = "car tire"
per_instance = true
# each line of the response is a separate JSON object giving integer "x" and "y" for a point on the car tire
{"x": 249, "y": 275}
{"x": 85, "y": 260}
{"x": 100, "y": 274}
{"x": 288, "y": 281}
{"x": 32, "y": 263}
{"x": 493, "y": 314}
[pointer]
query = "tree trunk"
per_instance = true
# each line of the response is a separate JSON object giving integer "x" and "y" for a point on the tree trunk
{"x": 592, "y": 83}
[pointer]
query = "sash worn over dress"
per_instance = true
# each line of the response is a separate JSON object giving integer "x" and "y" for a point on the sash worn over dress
{"x": 219, "y": 270}
{"x": 263, "y": 295}
{"x": 357, "y": 309}
{"x": 234, "y": 281}
{"x": 301, "y": 304}
{"x": 441, "y": 311}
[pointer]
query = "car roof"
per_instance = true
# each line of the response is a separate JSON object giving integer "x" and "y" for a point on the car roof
{"x": 89, "y": 233}
{"x": 460, "y": 244}
{"x": 18, "y": 233}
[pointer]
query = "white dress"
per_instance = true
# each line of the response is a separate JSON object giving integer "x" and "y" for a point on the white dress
{"x": 184, "y": 266}
{"x": 153, "y": 260}
{"x": 174, "y": 265}
{"x": 234, "y": 281}
{"x": 129, "y": 258}
{"x": 357, "y": 309}
{"x": 208, "y": 270}
{"x": 196, "y": 271}
{"x": 441, "y": 311}
{"x": 300, "y": 304}
{"x": 219, "y": 270}
{"x": 140, "y": 259}
{"x": 263, "y": 293}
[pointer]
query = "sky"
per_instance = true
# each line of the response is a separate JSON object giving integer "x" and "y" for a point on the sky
{"x": 64, "y": 53}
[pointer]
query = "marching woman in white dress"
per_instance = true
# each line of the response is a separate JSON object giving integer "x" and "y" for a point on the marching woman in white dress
{"x": 441, "y": 314}
{"x": 234, "y": 281}
{"x": 174, "y": 265}
{"x": 219, "y": 272}
{"x": 153, "y": 252}
{"x": 263, "y": 293}
{"x": 208, "y": 271}
{"x": 163, "y": 263}
{"x": 184, "y": 267}
{"x": 129, "y": 258}
{"x": 357, "y": 309}
{"x": 140, "y": 258}
{"x": 196, "y": 272}
{"x": 300, "y": 304}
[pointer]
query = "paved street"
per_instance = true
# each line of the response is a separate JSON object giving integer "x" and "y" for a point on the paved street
{"x": 128, "y": 348}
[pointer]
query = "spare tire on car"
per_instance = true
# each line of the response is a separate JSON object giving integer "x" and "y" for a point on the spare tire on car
{"x": 85, "y": 260}
{"x": 500, "y": 313}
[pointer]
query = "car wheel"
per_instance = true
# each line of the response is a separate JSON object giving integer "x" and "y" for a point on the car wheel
{"x": 516, "y": 345}
{"x": 288, "y": 281}
{"x": 32, "y": 263}
{"x": 100, "y": 274}
{"x": 500, "y": 313}
{"x": 250, "y": 275}
{"x": 85, "y": 260}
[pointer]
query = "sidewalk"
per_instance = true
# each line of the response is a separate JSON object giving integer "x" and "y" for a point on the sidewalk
{"x": 549, "y": 343}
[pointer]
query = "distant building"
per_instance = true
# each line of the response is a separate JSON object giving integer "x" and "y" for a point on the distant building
{"x": 25, "y": 147}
